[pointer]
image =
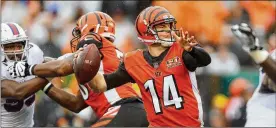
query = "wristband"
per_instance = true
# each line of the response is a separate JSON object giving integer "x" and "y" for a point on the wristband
{"x": 31, "y": 69}
{"x": 259, "y": 56}
{"x": 47, "y": 87}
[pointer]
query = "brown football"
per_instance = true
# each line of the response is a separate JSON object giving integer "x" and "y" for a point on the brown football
{"x": 87, "y": 64}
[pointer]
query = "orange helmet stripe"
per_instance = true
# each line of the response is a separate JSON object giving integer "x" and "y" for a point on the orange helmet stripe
{"x": 160, "y": 13}
{"x": 145, "y": 13}
{"x": 152, "y": 13}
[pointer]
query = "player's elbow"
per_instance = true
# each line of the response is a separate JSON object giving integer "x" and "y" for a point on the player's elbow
{"x": 19, "y": 95}
{"x": 76, "y": 106}
{"x": 11, "y": 89}
{"x": 76, "y": 109}
{"x": 100, "y": 88}
{"x": 98, "y": 83}
{"x": 204, "y": 61}
{"x": 207, "y": 61}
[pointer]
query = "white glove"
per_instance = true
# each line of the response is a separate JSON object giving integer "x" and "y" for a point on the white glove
{"x": 19, "y": 69}
{"x": 250, "y": 43}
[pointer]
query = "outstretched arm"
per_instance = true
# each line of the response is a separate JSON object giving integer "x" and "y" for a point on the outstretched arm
{"x": 252, "y": 46}
{"x": 20, "y": 91}
{"x": 74, "y": 103}
{"x": 105, "y": 82}
{"x": 54, "y": 68}
{"x": 269, "y": 67}
{"x": 61, "y": 67}
{"x": 197, "y": 57}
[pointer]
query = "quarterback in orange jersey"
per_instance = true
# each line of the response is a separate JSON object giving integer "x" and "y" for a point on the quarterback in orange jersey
{"x": 164, "y": 71}
{"x": 112, "y": 106}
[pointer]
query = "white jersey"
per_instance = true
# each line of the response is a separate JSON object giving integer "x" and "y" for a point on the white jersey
{"x": 16, "y": 113}
{"x": 261, "y": 108}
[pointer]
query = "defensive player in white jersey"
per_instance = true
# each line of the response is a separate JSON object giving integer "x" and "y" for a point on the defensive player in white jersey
{"x": 261, "y": 108}
{"x": 15, "y": 46}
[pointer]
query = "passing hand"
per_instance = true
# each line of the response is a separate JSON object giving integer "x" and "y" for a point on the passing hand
{"x": 185, "y": 40}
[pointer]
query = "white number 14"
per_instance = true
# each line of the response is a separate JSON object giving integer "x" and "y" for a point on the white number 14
{"x": 170, "y": 94}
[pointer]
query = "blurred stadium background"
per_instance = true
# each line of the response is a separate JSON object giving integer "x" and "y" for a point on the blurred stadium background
{"x": 225, "y": 85}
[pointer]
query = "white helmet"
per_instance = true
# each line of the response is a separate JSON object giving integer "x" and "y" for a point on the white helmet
{"x": 13, "y": 33}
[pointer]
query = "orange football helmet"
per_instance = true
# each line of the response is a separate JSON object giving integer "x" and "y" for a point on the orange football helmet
{"x": 150, "y": 17}
{"x": 93, "y": 22}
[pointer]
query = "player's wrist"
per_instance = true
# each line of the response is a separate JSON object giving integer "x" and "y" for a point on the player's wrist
{"x": 47, "y": 88}
{"x": 259, "y": 56}
{"x": 31, "y": 69}
{"x": 192, "y": 50}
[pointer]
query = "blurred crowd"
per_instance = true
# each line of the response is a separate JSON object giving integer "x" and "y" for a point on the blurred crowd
{"x": 225, "y": 85}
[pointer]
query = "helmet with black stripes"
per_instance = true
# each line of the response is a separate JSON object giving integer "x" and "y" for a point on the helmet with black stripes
{"x": 94, "y": 22}
{"x": 148, "y": 19}
{"x": 14, "y": 42}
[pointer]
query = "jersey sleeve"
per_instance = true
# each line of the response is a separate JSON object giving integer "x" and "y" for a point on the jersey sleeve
{"x": 198, "y": 57}
{"x": 117, "y": 78}
{"x": 35, "y": 54}
{"x": 3, "y": 71}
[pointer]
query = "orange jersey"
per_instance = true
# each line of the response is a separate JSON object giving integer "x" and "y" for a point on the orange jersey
{"x": 100, "y": 102}
{"x": 111, "y": 57}
{"x": 169, "y": 92}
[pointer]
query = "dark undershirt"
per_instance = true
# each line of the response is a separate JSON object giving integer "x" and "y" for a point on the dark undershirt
{"x": 193, "y": 59}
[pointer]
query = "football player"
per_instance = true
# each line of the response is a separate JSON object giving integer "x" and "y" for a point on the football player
{"x": 17, "y": 111}
{"x": 261, "y": 107}
{"x": 112, "y": 106}
{"x": 164, "y": 71}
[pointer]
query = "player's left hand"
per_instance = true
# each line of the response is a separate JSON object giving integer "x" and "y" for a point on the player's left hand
{"x": 18, "y": 69}
{"x": 250, "y": 42}
{"x": 185, "y": 40}
{"x": 247, "y": 37}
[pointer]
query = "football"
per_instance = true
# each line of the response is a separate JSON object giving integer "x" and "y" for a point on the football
{"x": 87, "y": 64}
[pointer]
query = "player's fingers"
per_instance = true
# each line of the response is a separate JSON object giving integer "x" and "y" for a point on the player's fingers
{"x": 175, "y": 36}
{"x": 21, "y": 70}
{"x": 193, "y": 44}
{"x": 78, "y": 52}
{"x": 182, "y": 33}
{"x": 85, "y": 45}
{"x": 193, "y": 40}
{"x": 17, "y": 72}
{"x": 74, "y": 63}
{"x": 81, "y": 49}
{"x": 187, "y": 36}
{"x": 14, "y": 68}
{"x": 76, "y": 55}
